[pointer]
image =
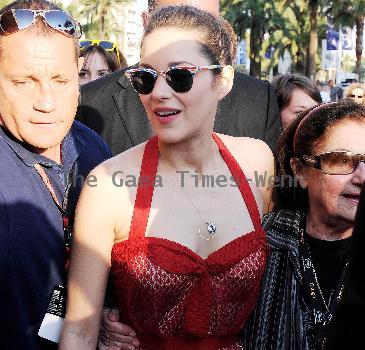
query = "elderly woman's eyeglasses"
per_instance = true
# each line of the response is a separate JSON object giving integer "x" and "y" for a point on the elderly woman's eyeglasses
{"x": 18, "y": 19}
{"x": 180, "y": 79}
{"x": 334, "y": 163}
{"x": 105, "y": 44}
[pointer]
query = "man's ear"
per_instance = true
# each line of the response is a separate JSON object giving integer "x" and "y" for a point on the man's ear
{"x": 225, "y": 83}
{"x": 298, "y": 170}
{"x": 145, "y": 16}
{"x": 80, "y": 63}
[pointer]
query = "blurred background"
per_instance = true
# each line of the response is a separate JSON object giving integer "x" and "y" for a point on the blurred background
{"x": 320, "y": 38}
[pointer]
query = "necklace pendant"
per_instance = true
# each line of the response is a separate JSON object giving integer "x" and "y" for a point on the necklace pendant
{"x": 207, "y": 231}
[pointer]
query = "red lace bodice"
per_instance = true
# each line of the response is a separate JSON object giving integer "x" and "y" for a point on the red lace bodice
{"x": 172, "y": 297}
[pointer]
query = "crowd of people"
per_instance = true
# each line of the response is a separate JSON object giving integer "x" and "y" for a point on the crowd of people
{"x": 188, "y": 206}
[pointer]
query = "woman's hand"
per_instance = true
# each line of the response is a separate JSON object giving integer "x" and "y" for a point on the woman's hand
{"x": 115, "y": 335}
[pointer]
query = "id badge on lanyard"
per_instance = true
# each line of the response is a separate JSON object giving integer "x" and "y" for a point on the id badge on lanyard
{"x": 53, "y": 320}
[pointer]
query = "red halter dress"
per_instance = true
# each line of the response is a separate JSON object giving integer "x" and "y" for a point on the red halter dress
{"x": 172, "y": 297}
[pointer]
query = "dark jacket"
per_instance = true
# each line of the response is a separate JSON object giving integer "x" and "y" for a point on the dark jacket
{"x": 280, "y": 316}
{"x": 113, "y": 109}
{"x": 349, "y": 321}
{"x": 31, "y": 229}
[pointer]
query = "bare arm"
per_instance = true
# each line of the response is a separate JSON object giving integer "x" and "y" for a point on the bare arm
{"x": 268, "y": 190}
{"x": 90, "y": 263}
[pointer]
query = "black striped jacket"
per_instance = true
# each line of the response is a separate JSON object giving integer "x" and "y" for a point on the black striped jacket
{"x": 280, "y": 318}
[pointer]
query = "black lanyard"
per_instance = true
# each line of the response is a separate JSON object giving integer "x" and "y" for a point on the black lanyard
{"x": 322, "y": 311}
{"x": 66, "y": 217}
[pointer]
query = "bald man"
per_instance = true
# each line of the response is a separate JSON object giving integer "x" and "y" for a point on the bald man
{"x": 113, "y": 109}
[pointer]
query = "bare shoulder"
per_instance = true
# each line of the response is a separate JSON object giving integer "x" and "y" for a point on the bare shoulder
{"x": 128, "y": 161}
{"x": 250, "y": 153}
{"x": 115, "y": 188}
{"x": 107, "y": 180}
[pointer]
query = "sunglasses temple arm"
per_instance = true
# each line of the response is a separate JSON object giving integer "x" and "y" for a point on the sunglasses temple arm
{"x": 118, "y": 56}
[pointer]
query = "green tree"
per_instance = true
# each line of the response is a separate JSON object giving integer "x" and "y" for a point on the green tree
{"x": 291, "y": 33}
{"x": 100, "y": 16}
{"x": 255, "y": 15}
{"x": 313, "y": 7}
{"x": 316, "y": 15}
{"x": 350, "y": 13}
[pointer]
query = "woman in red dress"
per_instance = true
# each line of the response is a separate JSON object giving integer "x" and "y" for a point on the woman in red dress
{"x": 177, "y": 220}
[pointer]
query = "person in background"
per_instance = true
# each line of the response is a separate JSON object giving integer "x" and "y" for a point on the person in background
{"x": 186, "y": 258}
{"x": 356, "y": 92}
{"x": 101, "y": 57}
{"x": 295, "y": 93}
{"x": 325, "y": 92}
{"x": 336, "y": 92}
{"x": 45, "y": 157}
{"x": 112, "y": 108}
{"x": 309, "y": 234}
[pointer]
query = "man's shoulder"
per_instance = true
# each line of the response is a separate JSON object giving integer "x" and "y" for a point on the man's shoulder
{"x": 89, "y": 137}
{"x": 6, "y": 153}
{"x": 249, "y": 81}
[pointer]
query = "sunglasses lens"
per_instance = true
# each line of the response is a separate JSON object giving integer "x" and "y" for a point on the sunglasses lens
{"x": 9, "y": 24}
{"x": 338, "y": 163}
{"x": 61, "y": 21}
{"x": 181, "y": 80}
{"x": 143, "y": 82}
{"x": 85, "y": 43}
{"x": 107, "y": 45}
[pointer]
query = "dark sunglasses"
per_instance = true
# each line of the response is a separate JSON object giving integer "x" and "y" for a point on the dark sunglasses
{"x": 180, "y": 79}
{"x": 18, "y": 19}
{"x": 358, "y": 96}
{"x": 334, "y": 163}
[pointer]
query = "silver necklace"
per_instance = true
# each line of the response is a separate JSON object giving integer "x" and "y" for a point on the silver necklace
{"x": 314, "y": 271}
{"x": 326, "y": 305}
{"x": 208, "y": 229}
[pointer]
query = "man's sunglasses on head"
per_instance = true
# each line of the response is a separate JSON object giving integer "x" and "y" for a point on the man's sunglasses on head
{"x": 107, "y": 45}
{"x": 18, "y": 19}
{"x": 180, "y": 79}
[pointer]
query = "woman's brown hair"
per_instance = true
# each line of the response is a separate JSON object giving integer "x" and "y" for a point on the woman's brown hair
{"x": 218, "y": 36}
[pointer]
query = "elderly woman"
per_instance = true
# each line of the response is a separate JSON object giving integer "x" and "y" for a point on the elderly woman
{"x": 355, "y": 92}
{"x": 309, "y": 237}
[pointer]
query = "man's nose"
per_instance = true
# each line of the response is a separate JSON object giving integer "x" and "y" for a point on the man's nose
{"x": 44, "y": 100}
